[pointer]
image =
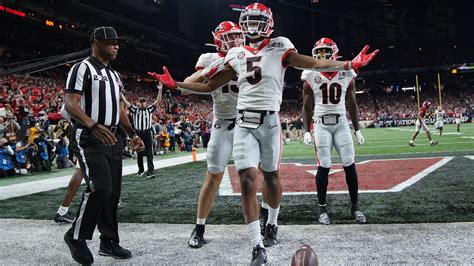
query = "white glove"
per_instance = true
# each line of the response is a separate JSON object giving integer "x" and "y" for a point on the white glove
{"x": 360, "y": 138}
{"x": 307, "y": 138}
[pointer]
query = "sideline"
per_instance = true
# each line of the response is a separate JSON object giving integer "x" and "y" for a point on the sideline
{"x": 32, "y": 187}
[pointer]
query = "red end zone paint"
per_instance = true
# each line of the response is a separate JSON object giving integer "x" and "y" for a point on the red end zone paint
{"x": 373, "y": 175}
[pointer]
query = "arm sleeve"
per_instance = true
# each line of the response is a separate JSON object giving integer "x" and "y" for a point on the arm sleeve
{"x": 151, "y": 108}
{"x": 77, "y": 77}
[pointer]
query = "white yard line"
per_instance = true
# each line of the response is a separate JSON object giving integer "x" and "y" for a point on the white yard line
{"x": 470, "y": 157}
{"x": 27, "y": 188}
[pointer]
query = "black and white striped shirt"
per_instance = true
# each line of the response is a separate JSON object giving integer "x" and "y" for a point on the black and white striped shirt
{"x": 142, "y": 117}
{"x": 100, "y": 87}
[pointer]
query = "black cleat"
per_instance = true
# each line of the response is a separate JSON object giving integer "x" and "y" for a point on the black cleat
{"x": 79, "y": 250}
{"x": 259, "y": 256}
{"x": 66, "y": 218}
{"x": 434, "y": 143}
{"x": 150, "y": 175}
{"x": 411, "y": 144}
{"x": 113, "y": 249}
{"x": 270, "y": 237}
{"x": 196, "y": 240}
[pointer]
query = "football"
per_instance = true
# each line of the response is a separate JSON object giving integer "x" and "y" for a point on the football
{"x": 304, "y": 256}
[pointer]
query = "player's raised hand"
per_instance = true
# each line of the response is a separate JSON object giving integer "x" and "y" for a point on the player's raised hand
{"x": 363, "y": 59}
{"x": 164, "y": 78}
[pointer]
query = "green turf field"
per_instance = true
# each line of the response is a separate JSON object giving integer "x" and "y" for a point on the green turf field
{"x": 443, "y": 196}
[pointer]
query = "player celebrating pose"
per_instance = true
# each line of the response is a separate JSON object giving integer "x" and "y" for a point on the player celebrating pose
{"x": 439, "y": 113}
{"x": 327, "y": 93}
{"x": 260, "y": 69}
{"x": 226, "y": 36}
{"x": 457, "y": 119}
{"x": 420, "y": 123}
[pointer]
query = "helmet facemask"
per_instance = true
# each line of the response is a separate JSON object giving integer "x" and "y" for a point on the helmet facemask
{"x": 230, "y": 40}
{"x": 323, "y": 52}
{"x": 256, "y": 25}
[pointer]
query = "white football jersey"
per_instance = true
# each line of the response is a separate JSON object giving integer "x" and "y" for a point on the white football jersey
{"x": 225, "y": 98}
{"x": 329, "y": 90}
{"x": 260, "y": 73}
{"x": 439, "y": 115}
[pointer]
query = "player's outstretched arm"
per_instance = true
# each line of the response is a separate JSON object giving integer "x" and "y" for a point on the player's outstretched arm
{"x": 218, "y": 80}
{"x": 324, "y": 65}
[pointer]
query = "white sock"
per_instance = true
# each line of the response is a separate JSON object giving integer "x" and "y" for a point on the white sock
{"x": 431, "y": 141}
{"x": 200, "y": 221}
{"x": 411, "y": 141}
{"x": 264, "y": 205}
{"x": 253, "y": 229}
{"x": 273, "y": 215}
{"x": 62, "y": 210}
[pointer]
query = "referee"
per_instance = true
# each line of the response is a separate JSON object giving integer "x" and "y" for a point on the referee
{"x": 92, "y": 99}
{"x": 142, "y": 117}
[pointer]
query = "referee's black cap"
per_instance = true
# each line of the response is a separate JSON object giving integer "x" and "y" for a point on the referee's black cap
{"x": 104, "y": 33}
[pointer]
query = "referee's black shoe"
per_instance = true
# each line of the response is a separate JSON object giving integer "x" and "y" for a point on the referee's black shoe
{"x": 150, "y": 175}
{"x": 197, "y": 238}
{"x": 113, "y": 249}
{"x": 79, "y": 250}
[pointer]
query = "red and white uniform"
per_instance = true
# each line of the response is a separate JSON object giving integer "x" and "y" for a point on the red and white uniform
{"x": 225, "y": 98}
{"x": 329, "y": 94}
{"x": 421, "y": 124}
{"x": 219, "y": 149}
{"x": 329, "y": 90}
{"x": 261, "y": 73}
{"x": 457, "y": 117}
{"x": 261, "y": 81}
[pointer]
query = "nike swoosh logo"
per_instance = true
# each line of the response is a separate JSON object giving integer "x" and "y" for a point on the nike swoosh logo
{"x": 270, "y": 127}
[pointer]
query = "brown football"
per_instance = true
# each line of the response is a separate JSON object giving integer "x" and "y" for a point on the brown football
{"x": 304, "y": 256}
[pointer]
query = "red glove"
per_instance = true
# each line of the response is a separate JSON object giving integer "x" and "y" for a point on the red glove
{"x": 361, "y": 60}
{"x": 164, "y": 78}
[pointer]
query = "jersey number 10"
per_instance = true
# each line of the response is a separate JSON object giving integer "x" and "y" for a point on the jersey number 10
{"x": 331, "y": 94}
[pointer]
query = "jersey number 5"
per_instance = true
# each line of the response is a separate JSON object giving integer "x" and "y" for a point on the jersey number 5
{"x": 333, "y": 93}
{"x": 257, "y": 71}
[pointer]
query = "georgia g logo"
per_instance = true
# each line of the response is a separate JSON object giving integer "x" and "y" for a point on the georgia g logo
{"x": 241, "y": 55}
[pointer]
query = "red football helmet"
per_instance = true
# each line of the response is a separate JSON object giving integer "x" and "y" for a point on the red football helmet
{"x": 256, "y": 21}
{"x": 426, "y": 103}
{"x": 330, "y": 49}
{"x": 228, "y": 35}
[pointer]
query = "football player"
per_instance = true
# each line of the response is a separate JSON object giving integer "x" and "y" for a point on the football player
{"x": 457, "y": 118}
{"x": 226, "y": 36}
{"x": 260, "y": 69}
{"x": 420, "y": 123}
{"x": 326, "y": 93}
{"x": 439, "y": 113}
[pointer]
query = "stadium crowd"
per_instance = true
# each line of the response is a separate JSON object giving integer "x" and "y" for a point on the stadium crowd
{"x": 33, "y": 135}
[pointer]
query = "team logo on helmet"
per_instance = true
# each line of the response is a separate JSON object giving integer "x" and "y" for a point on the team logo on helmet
{"x": 241, "y": 55}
